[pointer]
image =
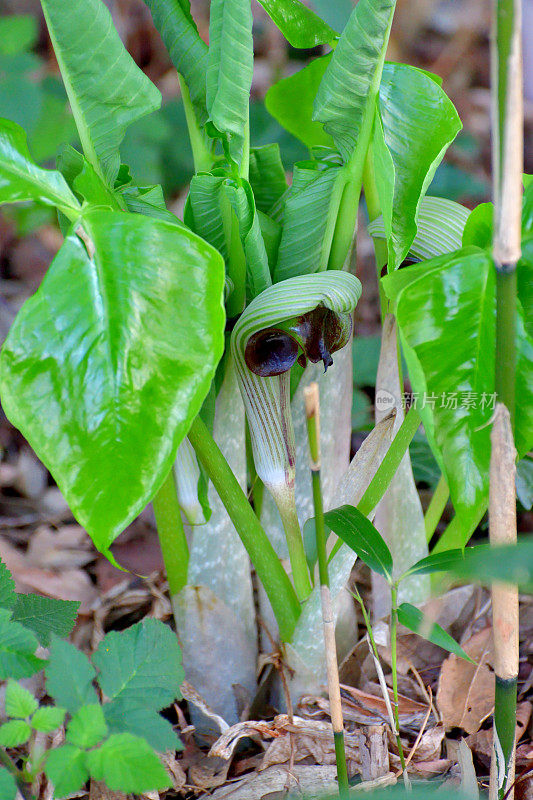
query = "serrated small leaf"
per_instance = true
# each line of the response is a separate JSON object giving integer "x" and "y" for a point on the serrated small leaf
{"x": 123, "y": 717}
{"x": 141, "y": 664}
{"x": 87, "y": 726}
{"x": 7, "y": 587}
{"x": 20, "y": 703}
{"x": 65, "y": 767}
{"x": 14, "y": 732}
{"x": 357, "y": 531}
{"x": 126, "y": 763}
{"x": 69, "y": 676}
{"x": 8, "y": 787}
{"x": 412, "y": 618}
{"x": 17, "y": 649}
{"x": 45, "y": 615}
{"x": 48, "y": 718}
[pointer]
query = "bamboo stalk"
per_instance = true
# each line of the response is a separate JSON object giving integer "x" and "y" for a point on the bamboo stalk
{"x": 502, "y": 527}
{"x": 312, "y": 413}
{"x": 507, "y": 155}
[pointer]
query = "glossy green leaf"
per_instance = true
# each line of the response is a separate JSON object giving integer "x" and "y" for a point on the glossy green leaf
{"x": 479, "y": 226}
{"x": 357, "y": 531}
{"x": 45, "y": 616}
{"x": 141, "y": 665}
{"x": 149, "y": 200}
{"x": 224, "y": 214}
{"x": 291, "y": 100}
{"x": 203, "y": 212}
{"x": 20, "y": 703}
{"x": 69, "y": 676}
{"x": 509, "y": 564}
{"x": 230, "y": 65}
{"x": 8, "y": 787}
{"x": 65, "y": 767}
{"x": 347, "y": 94}
{"x": 87, "y": 727}
{"x": 93, "y": 189}
{"x": 22, "y": 180}
{"x": 80, "y": 372}
{"x": 446, "y": 314}
{"x": 242, "y": 203}
{"x": 439, "y": 228}
{"x": 299, "y": 25}
{"x": 187, "y": 50}
{"x": 14, "y": 733}
{"x": 484, "y": 563}
{"x": 412, "y": 618}
{"x": 17, "y": 649}
{"x": 267, "y": 176}
{"x": 271, "y": 233}
{"x": 105, "y": 88}
{"x": 409, "y": 101}
{"x": 48, "y": 719}
{"x": 127, "y": 763}
{"x": 308, "y": 206}
{"x": 436, "y": 562}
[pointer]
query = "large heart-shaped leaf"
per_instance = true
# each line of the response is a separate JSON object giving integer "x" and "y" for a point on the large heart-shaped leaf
{"x": 22, "y": 180}
{"x": 346, "y": 97}
{"x": 299, "y": 25}
{"x": 409, "y": 102}
{"x": 105, "y": 88}
{"x": 187, "y": 50}
{"x": 291, "y": 99}
{"x": 446, "y": 314}
{"x": 107, "y": 364}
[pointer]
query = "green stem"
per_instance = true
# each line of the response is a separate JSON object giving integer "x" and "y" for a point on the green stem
{"x": 374, "y": 210}
{"x": 263, "y": 556}
{"x": 245, "y": 161}
{"x": 236, "y": 263}
{"x": 295, "y": 545}
{"x": 171, "y": 534}
{"x": 436, "y": 507}
{"x": 506, "y": 338}
{"x": 345, "y": 225}
{"x": 394, "y": 666}
{"x": 201, "y": 153}
{"x": 387, "y": 469}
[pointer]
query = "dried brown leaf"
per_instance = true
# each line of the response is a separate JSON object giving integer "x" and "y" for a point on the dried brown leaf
{"x": 465, "y": 696}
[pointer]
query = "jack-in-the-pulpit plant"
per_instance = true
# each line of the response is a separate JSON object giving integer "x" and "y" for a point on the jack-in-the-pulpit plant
{"x": 165, "y": 360}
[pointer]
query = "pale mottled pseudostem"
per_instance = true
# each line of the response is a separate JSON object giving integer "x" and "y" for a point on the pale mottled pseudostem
{"x": 399, "y": 516}
{"x": 505, "y": 610}
{"x": 215, "y": 611}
